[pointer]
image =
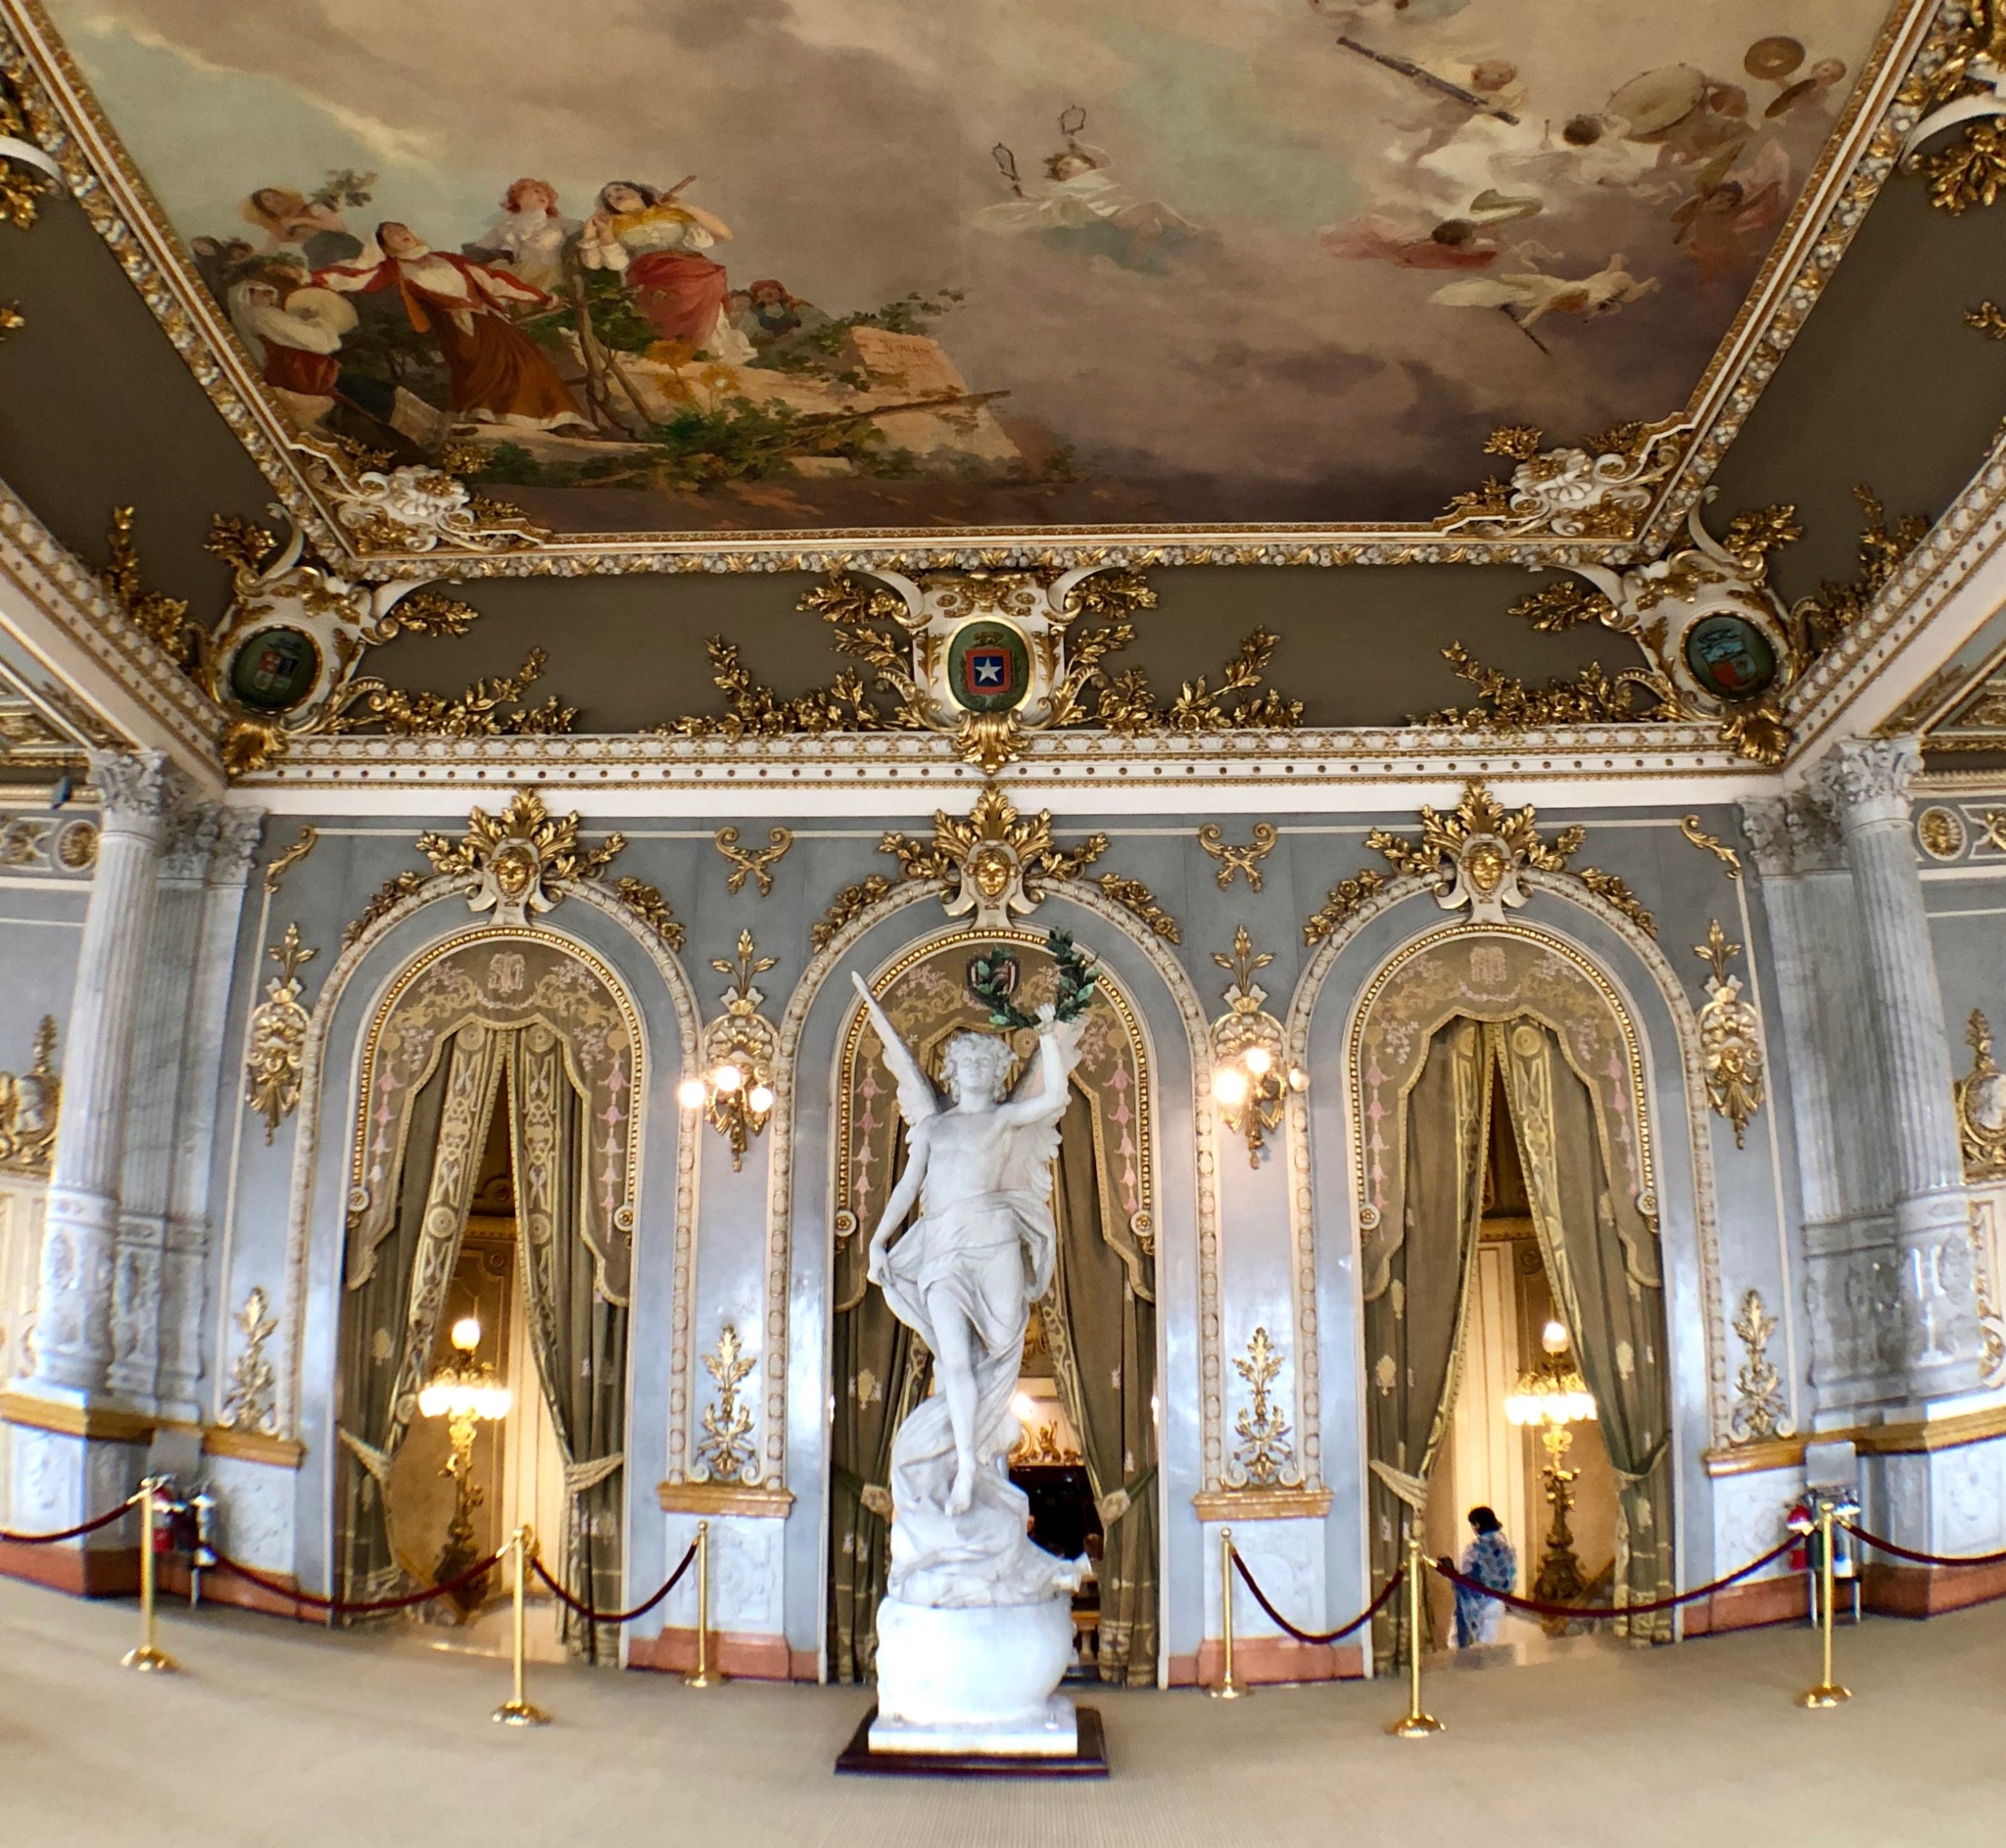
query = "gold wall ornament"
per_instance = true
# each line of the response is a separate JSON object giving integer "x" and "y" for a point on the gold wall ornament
{"x": 1251, "y": 1076}
{"x": 726, "y": 1449}
{"x": 1731, "y": 861}
{"x": 516, "y": 863}
{"x": 1615, "y": 893}
{"x": 384, "y": 899}
{"x": 741, "y": 1049}
{"x": 648, "y": 903}
{"x": 1264, "y": 1457}
{"x": 1129, "y": 708}
{"x": 163, "y": 620}
{"x": 995, "y": 862}
{"x": 251, "y": 1404}
{"x": 755, "y": 863}
{"x": 1719, "y": 643}
{"x": 1134, "y": 896}
{"x": 1602, "y": 490}
{"x": 1729, "y": 1037}
{"x": 278, "y": 1036}
{"x": 411, "y": 509}
{"x": 1980, "y": 1100}
{"x": 1818, "y": 620}
{"x": 490, "y": 707}
{"x": 1966, "y": 91}
{"x": 284, "y": 863}
{"x": 1506, "y": 703}
{"x": 28, "y": 175}
{"x": 1342, "y": 901}
{"x": 1761, "y": 1412}
{"x": 12, "y": 319}
{"x": 1231, "y": 860}
{"x": 845, "y": 905}
{"x": 1941, "y": 832}
{"x": 31, "y": 1107}
{"x": 982, "y": 657}
{"x": 1987, "y": 318}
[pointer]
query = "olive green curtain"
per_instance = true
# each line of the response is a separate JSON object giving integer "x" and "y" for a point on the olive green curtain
{"x": 1601, "y": 1256}
{"x": 1101, "y": 1331}
{"x": 396, "y": 1286}
{"x": 880, "y": 1370}
{"x": 1418, "y": 1266}
{"x": 578, "y": 1338}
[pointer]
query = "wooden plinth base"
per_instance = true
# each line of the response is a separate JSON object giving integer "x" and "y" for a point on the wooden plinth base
{"x": 1090, "y": 1760}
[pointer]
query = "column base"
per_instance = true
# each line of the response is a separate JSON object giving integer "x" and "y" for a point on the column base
{"x": 67, "y": 1463}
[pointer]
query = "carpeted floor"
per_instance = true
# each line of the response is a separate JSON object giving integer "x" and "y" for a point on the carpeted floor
{"x": 282, "y": 1736}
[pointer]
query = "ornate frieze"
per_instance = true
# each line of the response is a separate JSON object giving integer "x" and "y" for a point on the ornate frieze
{"x": 1729, "y": 1037}
{"x": 1600, "y": 490}
{"x": 278, "y": 1036}
{"x": 995, "y": 862}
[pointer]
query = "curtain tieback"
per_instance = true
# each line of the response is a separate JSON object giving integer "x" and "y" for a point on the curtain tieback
{"x": 375, "y": 1461}
{"x": 1117, "y": 1502}
{"x": 1412, "y": 1490}
{"x": 579, "y": 1477}
{"x": 877, "y": 1498}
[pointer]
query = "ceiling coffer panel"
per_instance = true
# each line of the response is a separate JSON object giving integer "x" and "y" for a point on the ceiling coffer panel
{"x": 719, "y": 286}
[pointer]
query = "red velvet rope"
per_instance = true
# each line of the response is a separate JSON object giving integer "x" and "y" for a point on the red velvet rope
{"x": 342, "y": 1607}
{"x": 71, "y": 1533}
{"x": 1604, "y": 1612}
{"x": 1922, "y": 1560}
{"x": 1364, "y": 1616}
{"x": 592, "y": 1616}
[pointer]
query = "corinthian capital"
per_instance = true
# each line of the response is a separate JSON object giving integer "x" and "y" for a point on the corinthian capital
{"x": 1867, "y": 780}
{"x": 137, "y": 788}
{"x": 238, "y": 833}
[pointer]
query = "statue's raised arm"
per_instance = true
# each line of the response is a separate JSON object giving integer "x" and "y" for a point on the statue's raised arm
{"x": 916, "y": 1098}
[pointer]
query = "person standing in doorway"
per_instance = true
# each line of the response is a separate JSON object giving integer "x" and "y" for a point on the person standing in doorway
{"x": 1491, "y": 1561}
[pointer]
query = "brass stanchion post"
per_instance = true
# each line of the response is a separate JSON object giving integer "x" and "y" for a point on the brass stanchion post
{"x": 1414, "y": 1724}
{"x": 1230, "y": 1686}
{"x": 148, "y": 1659}
{"x": 704, "y": 1675}
{"x": 1827, "y": 1692}
{"x": 516, "y": 1711}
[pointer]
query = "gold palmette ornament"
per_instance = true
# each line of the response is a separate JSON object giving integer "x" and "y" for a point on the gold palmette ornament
{"x": 516, "y": 1710}
{"x": 1230, "y": 1686}
{"x": 1416, "y": 1722}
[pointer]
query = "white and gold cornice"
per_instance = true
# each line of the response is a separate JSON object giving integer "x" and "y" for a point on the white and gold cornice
{"x": 99, "y": 174}
{"x": 56, "y": 611}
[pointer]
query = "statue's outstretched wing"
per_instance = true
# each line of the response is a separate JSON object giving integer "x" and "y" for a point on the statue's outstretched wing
{"x": 916, "y": 1098}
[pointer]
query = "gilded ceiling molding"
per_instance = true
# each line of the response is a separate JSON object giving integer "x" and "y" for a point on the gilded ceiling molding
{"x": 394, "y": 522}
{"x": 518, "y": 863}
{"x": 1987, "y": 318}
{"x": 1475, "y": 854}
{"x": 27, "y": 175}
{"x": 754, "y": 862}
{"x": 1507, "y": 705}
{"x": 1729, "y": 1037}
{"x": 31, "y": 1107}
{"x": 1600, "y": 490}
{"x": 1966, "y": 91}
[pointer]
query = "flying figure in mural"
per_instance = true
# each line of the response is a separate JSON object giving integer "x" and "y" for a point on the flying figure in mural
{"x": 963, "y": 1277}
{"x": 1081, "y": 203}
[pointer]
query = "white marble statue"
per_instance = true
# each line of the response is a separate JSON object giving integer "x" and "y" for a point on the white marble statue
{"x": 966, "y": 1578}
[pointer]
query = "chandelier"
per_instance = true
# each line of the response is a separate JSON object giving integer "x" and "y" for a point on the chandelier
{"x": 1552, "y": 1398}
{"x": 465, "y": 1393}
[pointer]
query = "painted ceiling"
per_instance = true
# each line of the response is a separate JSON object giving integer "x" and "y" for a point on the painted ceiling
{"x": 740, "y": 272}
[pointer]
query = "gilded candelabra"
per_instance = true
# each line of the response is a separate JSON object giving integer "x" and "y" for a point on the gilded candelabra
{"x": 464, "y": 1391}
{"x": 1553, "y": 1397}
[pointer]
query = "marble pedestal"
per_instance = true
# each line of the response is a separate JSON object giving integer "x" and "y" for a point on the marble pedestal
{"x": 975, "y": 1680}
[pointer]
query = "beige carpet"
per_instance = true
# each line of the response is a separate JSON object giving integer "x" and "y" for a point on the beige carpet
{"x": 282, "y": 1737}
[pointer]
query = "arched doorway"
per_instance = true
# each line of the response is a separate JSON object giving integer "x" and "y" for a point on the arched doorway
{"x": 1089, "y": 1386}
{"x": 520, "y": 1037}
{"x": 1455, "y": 1027}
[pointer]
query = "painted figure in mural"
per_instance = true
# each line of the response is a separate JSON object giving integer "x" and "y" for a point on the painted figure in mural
{"x": 291, "y": 220}
{"x": 1454, "y": 244}
{"x": 963, "y": 1277}
{"x": 296, "y": 329}
{"x": 497, "y": 374}
{"x": 527, "y": 237}
{"x": 1084, "y": 204}
{"x": 656, "y": 241}
{"x": 1490, "y": 1560}
{"x": 1529, "y": 295}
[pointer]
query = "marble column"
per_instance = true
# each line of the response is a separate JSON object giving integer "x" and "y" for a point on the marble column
{"x": 1865, "y": 783}
{"x": 201, "y": 1083}
{"x": 73, "y": 1336}
{"x": 153, "y": 1099}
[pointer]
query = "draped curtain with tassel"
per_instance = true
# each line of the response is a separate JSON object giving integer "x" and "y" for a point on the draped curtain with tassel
{"x": 399, "y": 1265}
{"x": 1601, "y": 1256}
{"x": 1418, "y": 1263}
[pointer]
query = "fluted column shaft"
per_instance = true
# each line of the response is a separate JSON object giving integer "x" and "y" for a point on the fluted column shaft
{"x": 72, "y": 1322}
{"x": 1866, "y": 783}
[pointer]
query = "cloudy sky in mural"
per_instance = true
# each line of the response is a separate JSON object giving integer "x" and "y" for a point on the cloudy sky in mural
{"x": 1111, "y": 262}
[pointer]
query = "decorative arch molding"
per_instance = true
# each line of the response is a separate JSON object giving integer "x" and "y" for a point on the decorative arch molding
{"x": 779, "y": 1258}
{"x": 348, "y": 1052}
{"x": 1690, "y": 1065}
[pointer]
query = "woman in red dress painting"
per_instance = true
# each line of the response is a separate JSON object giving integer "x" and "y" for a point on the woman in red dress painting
{"x": 497, "y": 374}
{"x": 656, "y": 243}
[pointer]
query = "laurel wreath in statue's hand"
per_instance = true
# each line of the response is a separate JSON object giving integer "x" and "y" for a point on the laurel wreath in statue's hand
{"x": 993, "y": 979}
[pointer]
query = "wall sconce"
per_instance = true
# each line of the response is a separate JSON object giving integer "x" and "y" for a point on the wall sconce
{"x": 736, "y": 1090}
{"x": 465, "y": 1393}
{"x": 1250, "y": 1075}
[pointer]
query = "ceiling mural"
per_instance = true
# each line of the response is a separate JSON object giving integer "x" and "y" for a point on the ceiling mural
{"x": 742, "y": 269}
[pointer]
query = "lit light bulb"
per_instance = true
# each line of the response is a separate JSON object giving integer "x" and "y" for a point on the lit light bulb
{"x": 726, "y": 1078}
{"x": 1299, "y": 1080}
{"x": 466, "y": 1333}
{"x": 1553, "y": 1337}
{"x": 760, "y": 1096}
{"x": 1025, "y": 1409}
{"x": 1229, "y": 1086}
{"x": 690, "y": 1094}
{"x": 1256, "y": 1059}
